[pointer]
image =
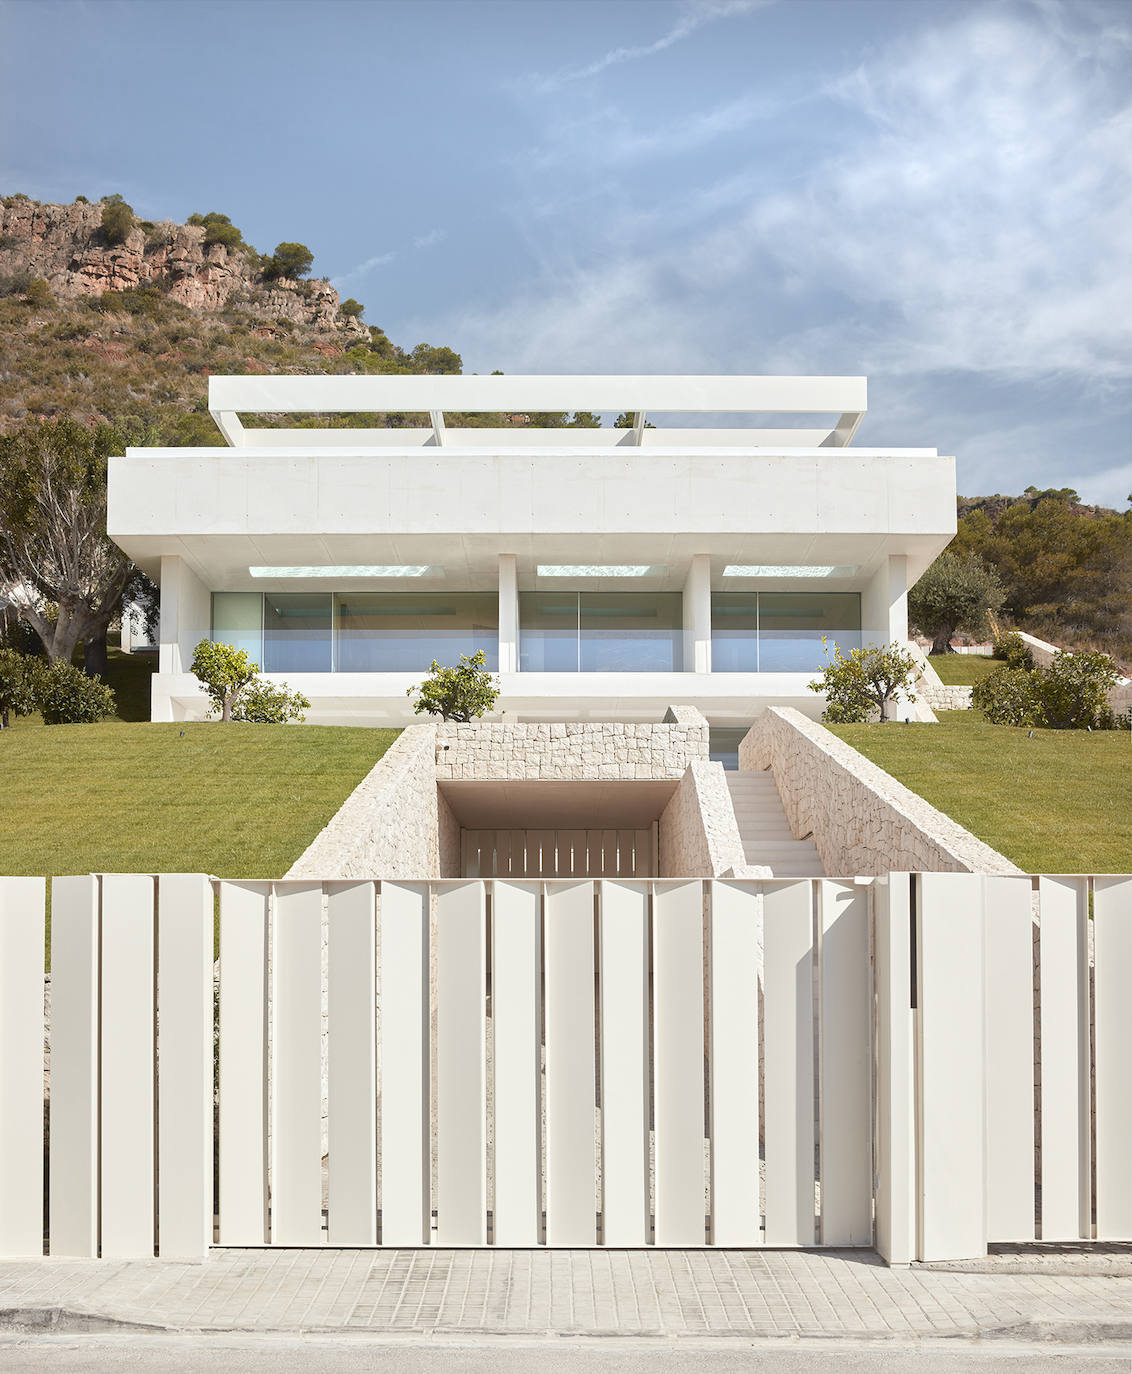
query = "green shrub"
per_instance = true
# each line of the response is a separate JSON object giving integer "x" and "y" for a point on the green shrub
{"x": 66, "y": 696}
{"x": 224, "y": 672}
{"x": 1014, "y": 650}
{"x": 462, "y": 693}
{"x": 863, "y": 682}
{"x": 117, "y": 219}
{"x": 1070, "y": 693}
{"x": 264, "y": 703}
{"x": 293, "y": 260}
{"x": 15, "y": 284}
{"x": 38, "y": 294}
{"x": 81, "y": 200}
{"x": 218, "y": 228}
{"x": 18, "y": 676}
{"x": 352, "y": 309}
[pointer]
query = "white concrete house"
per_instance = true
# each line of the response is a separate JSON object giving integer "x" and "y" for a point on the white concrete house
{"x": 606, "y": 573}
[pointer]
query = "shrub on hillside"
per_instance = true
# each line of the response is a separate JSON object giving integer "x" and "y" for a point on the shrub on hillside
{"x": 218, "y": 228}
{"x": 1071, "y": 693}
{"x": 462, "y": 693}
{"x": 117, "y": 219}
{"x": 1014, "y": 651}
{"x": 352, "y": 309}
{"x": 66, "y": 696}
{"x": 38, "y": 293}
{"x": 864, "y": 682}
{"x": 293, "y": 260}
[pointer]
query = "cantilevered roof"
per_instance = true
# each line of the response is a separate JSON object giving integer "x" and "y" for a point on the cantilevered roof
{"x": 841, "y": 398}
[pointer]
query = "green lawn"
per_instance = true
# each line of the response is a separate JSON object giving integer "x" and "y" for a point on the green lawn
{"x": 233, "y": 800}
{"x": 962, "y": 670}
{"x": 1060, "y": 802}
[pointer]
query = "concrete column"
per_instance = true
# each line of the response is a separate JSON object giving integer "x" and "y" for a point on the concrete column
{"x": 884, "y": 603}
{"x": 508, "y": 613}
{"x": 697, "y": 615}
{"x": 186, "y": 613}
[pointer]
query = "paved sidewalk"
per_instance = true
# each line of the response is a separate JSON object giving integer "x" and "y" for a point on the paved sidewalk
{"x": 686, "y": 1295}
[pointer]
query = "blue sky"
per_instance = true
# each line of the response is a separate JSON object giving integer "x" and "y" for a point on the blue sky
{"x": 938, "y": 195}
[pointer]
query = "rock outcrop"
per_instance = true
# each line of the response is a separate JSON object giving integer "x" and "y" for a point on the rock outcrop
{"x": 67, "y": 247}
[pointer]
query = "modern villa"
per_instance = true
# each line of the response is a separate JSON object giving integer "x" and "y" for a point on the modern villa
{"x": 605, "y": 572}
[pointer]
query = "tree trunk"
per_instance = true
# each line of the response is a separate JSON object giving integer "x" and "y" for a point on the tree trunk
{"x": 941, "y": 643}
{"x": 4, "y": 718}
{"x": 95, "y": 656}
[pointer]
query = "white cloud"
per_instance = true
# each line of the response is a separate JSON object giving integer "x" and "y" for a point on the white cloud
{"x": 694, "y": 17}
{"x": 362, "y": 269}
{"x": 432, "y": 237}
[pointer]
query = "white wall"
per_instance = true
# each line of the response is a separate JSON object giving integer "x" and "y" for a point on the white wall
{"x": 186, "y": 615}
{"x": 884, "y": 603}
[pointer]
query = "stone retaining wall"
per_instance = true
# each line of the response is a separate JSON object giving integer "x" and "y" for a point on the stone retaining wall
{"x": 945, "y": 697}
{"x": 699, "y": 836}
{"x": 863, "y": 822}
{"x": 573, "y": 751}
{"x": 388, "y": 827}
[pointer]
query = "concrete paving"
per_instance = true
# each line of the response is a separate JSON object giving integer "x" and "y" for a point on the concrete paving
{"x": 706, "y": 1296}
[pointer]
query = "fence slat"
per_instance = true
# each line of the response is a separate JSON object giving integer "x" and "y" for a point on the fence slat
{"x": 184, "y": 1084}
{"x": 1066, "y": 1204}
{"x": 896, "y": 1085}
{"x": 788, "y": 1073}
{"x": 571, "y": 1208}
{"x": 516, "y": 1025}
{"x": 1112, "y": 936}
{"x": 1009, "y": 932}
{"x": 351, "y": 1068}
{"x": 404, "y": 1130}
{"x": 736, "y": 958}
{"x": 678, "y": 1062}
{"x": 296, "y": 1065}
{"x": 952, "y": 1123}
{"x": 624, "y": 1063}
{"x": 243, "y": 1063}
{"x": 127, "y": 1067}
{"x": 846, "y": 1066}
{"x": 22, "y": 930}
{"x": 461, "y": 1127}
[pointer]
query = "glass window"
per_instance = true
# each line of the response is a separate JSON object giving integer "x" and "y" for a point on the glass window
{"x": 296, "y": 632}
{"x": 548, "y": 632}
{"x": 237, "y": 619}
{"x": 781, "y": 632}
{"x": 392, "y": 632}
{"x": 792, "y": 624}
{"x": 631, "y": 632}
{"x": 734, "y": 632}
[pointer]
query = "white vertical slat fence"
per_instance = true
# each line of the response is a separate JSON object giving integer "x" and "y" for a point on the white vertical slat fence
{"x": 618, "y": 1062}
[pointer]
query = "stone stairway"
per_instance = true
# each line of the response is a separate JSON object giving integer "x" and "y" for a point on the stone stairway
{"x": 764, "y": 830}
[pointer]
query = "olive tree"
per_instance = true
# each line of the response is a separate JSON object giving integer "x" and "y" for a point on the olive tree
{"x": 462, "y": 693}
{"x": 958, "y": 592}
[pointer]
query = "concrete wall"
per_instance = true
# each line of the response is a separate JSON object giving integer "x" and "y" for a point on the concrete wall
{"x": 699, "y": 837}
{"x": 388, "y": 826}
{"x": 572, "y": 751}
{"x": 862, "y": 820}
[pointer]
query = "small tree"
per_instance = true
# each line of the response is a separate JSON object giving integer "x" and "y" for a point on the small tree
{"x": 18, "y": 676}
{"x": 117, "y": 219}
{"x": 263, "y": 703}
{"x": 958, "y": 592}
{"x": 462, "y": 693}
{"x": 863, "y": 681}
{"x": 38, "y": 294}
{"x": 66, "y": 696}
{"x": 292, "y": 260}
{"x": 224, "y": 672}
{"x": 352, "y": 309}
{"x": 217, "y": 228}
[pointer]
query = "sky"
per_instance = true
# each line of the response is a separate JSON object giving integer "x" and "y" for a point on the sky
{"x": 936, "y": 194}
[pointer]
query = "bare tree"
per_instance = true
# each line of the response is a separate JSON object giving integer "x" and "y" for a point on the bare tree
{"x": 66, "y": 575}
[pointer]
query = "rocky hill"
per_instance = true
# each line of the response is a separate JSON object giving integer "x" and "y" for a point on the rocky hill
{"x": 128, "y": 331}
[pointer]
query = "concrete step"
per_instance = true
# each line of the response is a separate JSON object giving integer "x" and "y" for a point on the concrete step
{"x": 764, "y": 829}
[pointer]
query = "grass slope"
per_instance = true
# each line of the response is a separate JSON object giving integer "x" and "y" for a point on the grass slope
{"x": 1058, "y": 803}
{"x": 236, "y": 801}
{"x": 962, "y": 670}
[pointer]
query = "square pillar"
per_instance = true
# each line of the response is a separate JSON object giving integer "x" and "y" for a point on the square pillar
{"x": 508, "y": 613}
{"x": 186, "y": 615}
{"x": 884, "y": 603}
{"x": 697, "y": 615}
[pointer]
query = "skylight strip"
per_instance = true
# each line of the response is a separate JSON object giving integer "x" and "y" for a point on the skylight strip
{"x": 787, "y": 570}
{"x": 599, "y": 569}
{"x": 345, "y": 570}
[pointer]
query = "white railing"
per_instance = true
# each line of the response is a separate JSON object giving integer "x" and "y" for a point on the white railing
{"x": 566, "y": 1063}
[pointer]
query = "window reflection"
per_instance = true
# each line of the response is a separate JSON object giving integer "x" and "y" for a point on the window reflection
{"x": 781, "y": 632}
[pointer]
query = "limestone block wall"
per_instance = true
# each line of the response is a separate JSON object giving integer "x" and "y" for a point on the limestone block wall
{"x": 863, "y": 821}
{"x": 945, "y": 697}
{"x": 572, "y": 750}
{"x": 699, "y": 836}
{"x": 388, "y": 827}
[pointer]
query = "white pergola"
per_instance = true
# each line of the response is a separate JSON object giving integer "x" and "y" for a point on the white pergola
{"x": 842, "y": 398}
